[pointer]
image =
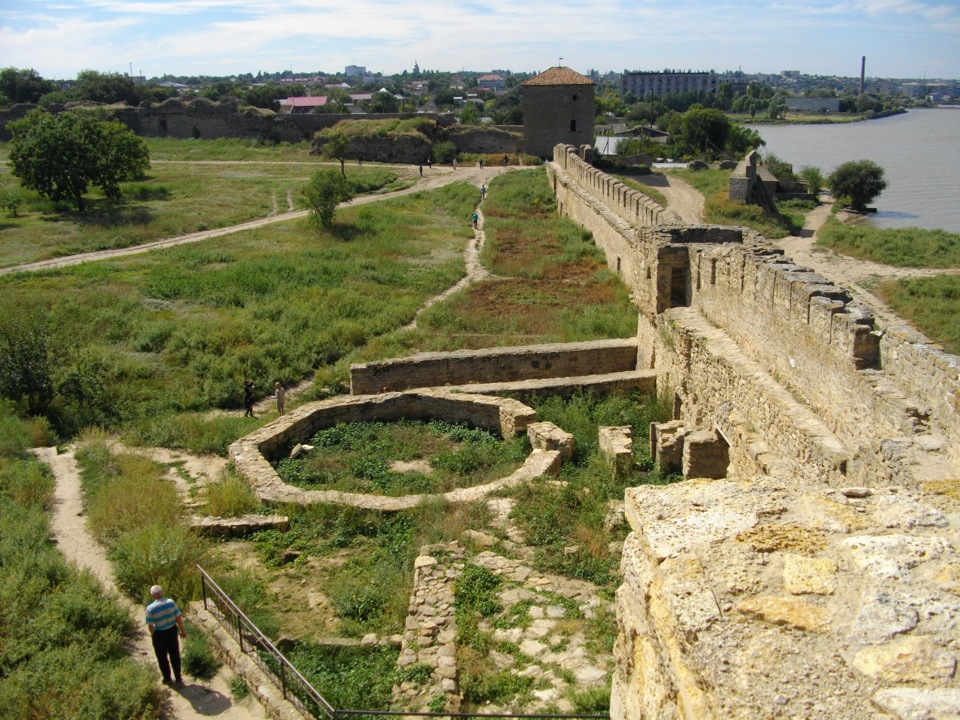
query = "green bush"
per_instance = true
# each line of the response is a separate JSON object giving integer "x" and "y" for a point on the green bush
{"x": 159, "y": 554}
{"x": 230, "y": 496}
{"x": 198, "y": 658}
{"x": 444, "y": 152}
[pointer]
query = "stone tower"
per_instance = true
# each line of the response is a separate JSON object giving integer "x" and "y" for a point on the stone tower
{"x": 557, "y": 108}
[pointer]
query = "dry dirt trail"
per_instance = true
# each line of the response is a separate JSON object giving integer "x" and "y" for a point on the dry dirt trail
{"x": 69, "y": 528}
{"x": 435, "y": 177}
{"x": 682, "y": 198}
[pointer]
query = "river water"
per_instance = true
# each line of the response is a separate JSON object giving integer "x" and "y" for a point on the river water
{"x": 919, "y": 152}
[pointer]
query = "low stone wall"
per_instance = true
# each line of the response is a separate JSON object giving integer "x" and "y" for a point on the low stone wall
{"x": 495, "y": 365}
{"x": 228, "y": 650}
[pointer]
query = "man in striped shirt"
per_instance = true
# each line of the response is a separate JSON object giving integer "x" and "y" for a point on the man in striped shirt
{"x": 164, "y": 619}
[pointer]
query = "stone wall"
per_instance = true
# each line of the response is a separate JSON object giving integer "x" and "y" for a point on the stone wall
{"x": 817, "y": 581}
{"x": 494, "y": 365}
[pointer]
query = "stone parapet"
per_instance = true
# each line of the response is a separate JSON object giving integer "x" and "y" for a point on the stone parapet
{"x": 758, "y": 598}
{"x": 616, "y": 446}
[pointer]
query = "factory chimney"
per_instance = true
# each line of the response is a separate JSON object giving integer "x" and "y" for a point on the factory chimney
{"x": 863, "y": 68}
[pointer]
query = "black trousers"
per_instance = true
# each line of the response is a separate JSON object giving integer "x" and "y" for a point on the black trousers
{"x": 166, "y": 644}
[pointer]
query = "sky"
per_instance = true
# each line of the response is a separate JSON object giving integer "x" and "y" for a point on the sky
{"x": 900, "y": 38}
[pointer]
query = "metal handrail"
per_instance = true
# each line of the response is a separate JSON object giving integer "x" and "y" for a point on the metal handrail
{"x": 296, "y": 689}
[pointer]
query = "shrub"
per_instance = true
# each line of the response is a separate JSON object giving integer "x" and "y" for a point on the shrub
{"x": 198, "y": 658}
{"x": 230, "y": 496}
{"x": 444, "y": 152}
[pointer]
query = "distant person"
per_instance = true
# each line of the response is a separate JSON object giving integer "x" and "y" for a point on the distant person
{"x": 483, "y": 191}
{"x": 476, "y": 219}
{"x": 248, "y": 398}
{"x": 454, "y": 163}
{"x": 481, "y": 163}
{"x": 421, "y": 169}
{"x": 430, "y": 163}
{"x": 164, "y": 620}
{"x": 280, "y": 394}
{"x": 360, "y": 160}
{"x": 506, "y": 161}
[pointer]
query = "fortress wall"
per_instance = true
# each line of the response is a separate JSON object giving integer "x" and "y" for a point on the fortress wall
{"x": 634, "y": 208}
{"x": 495, "y": 365}
{"x": 931, "y": 376}
{"x": 805, "y": 331}
{"x": 723, "y": 390}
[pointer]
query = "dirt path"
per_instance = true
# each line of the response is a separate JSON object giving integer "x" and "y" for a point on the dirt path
{"x": 432, "y": 178}
{"x": 69, "y": 528}
{"x": 682, "y": 198}
{"x": 858, "y": 276}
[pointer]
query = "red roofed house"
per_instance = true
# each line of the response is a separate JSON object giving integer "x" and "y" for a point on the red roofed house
{"x": 302, "y": 105}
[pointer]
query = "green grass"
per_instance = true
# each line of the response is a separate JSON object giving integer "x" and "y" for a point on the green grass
{"x": 931, "y": 304}
{"x": 636, "y": 183}
{"x": 176, "y": 332}
{"x": 557, "y": 517}
{"x": 229, "y": 149}
{"x": 905, "y": 247}
{"x": 357, "y": 457}
{"x": 177, "y": 198}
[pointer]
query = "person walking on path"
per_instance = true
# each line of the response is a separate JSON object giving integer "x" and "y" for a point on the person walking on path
{"x": 454, "y": 163}
{"x": 483, "y": 191}
{"x": 248, "y": 398}
{"x": 280, "y": 394}
{"x": 481, "y": 163}
{"x": 476, "y": 219}
{"x": 421, "y": 169}
{"x": 164, "y": 620}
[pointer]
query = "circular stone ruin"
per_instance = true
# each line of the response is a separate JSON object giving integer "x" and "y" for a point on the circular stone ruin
{"x": 253, "y": 454}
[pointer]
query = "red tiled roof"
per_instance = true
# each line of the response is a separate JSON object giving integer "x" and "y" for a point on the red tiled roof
{"x": 559, "y": 76}
{"x": 301, "y": 102}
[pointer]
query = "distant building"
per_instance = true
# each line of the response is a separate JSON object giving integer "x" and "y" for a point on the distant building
{"x": 813, "y": 105}
{"x": 658, "y": 84}
{"x": 557, "y": 108}
{"x": 492, "y": 82}
{"x": 302, "y": 105}
{"x": 355, "y": 71}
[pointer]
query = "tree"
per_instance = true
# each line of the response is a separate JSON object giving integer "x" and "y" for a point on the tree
{"x": 336, "y": 148}
{"x": 326, "y": 189}
{"x": 857, "y": 183}
{"x": 812, "y": 178}
{"x": 105, "y": 88}
{"x": 23, "y": 86}
{"x": 61, "y": 156}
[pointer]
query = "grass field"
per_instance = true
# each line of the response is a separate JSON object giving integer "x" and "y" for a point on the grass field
{"x": 177, "y": 198}
{"x": 905, "y": 247}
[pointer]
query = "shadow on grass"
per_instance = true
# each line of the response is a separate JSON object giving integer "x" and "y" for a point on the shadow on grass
{"x": 346, "y": 233}
{"x": 103, "y": 213}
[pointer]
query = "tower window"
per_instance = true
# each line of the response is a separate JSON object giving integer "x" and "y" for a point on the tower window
{"x": 573, "y": 125}
{"x": 574, "y": 98}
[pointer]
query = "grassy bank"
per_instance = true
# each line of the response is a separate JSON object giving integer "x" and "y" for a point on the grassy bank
{"x": 930, "y": 304}
{"x": 902, "y": 247}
